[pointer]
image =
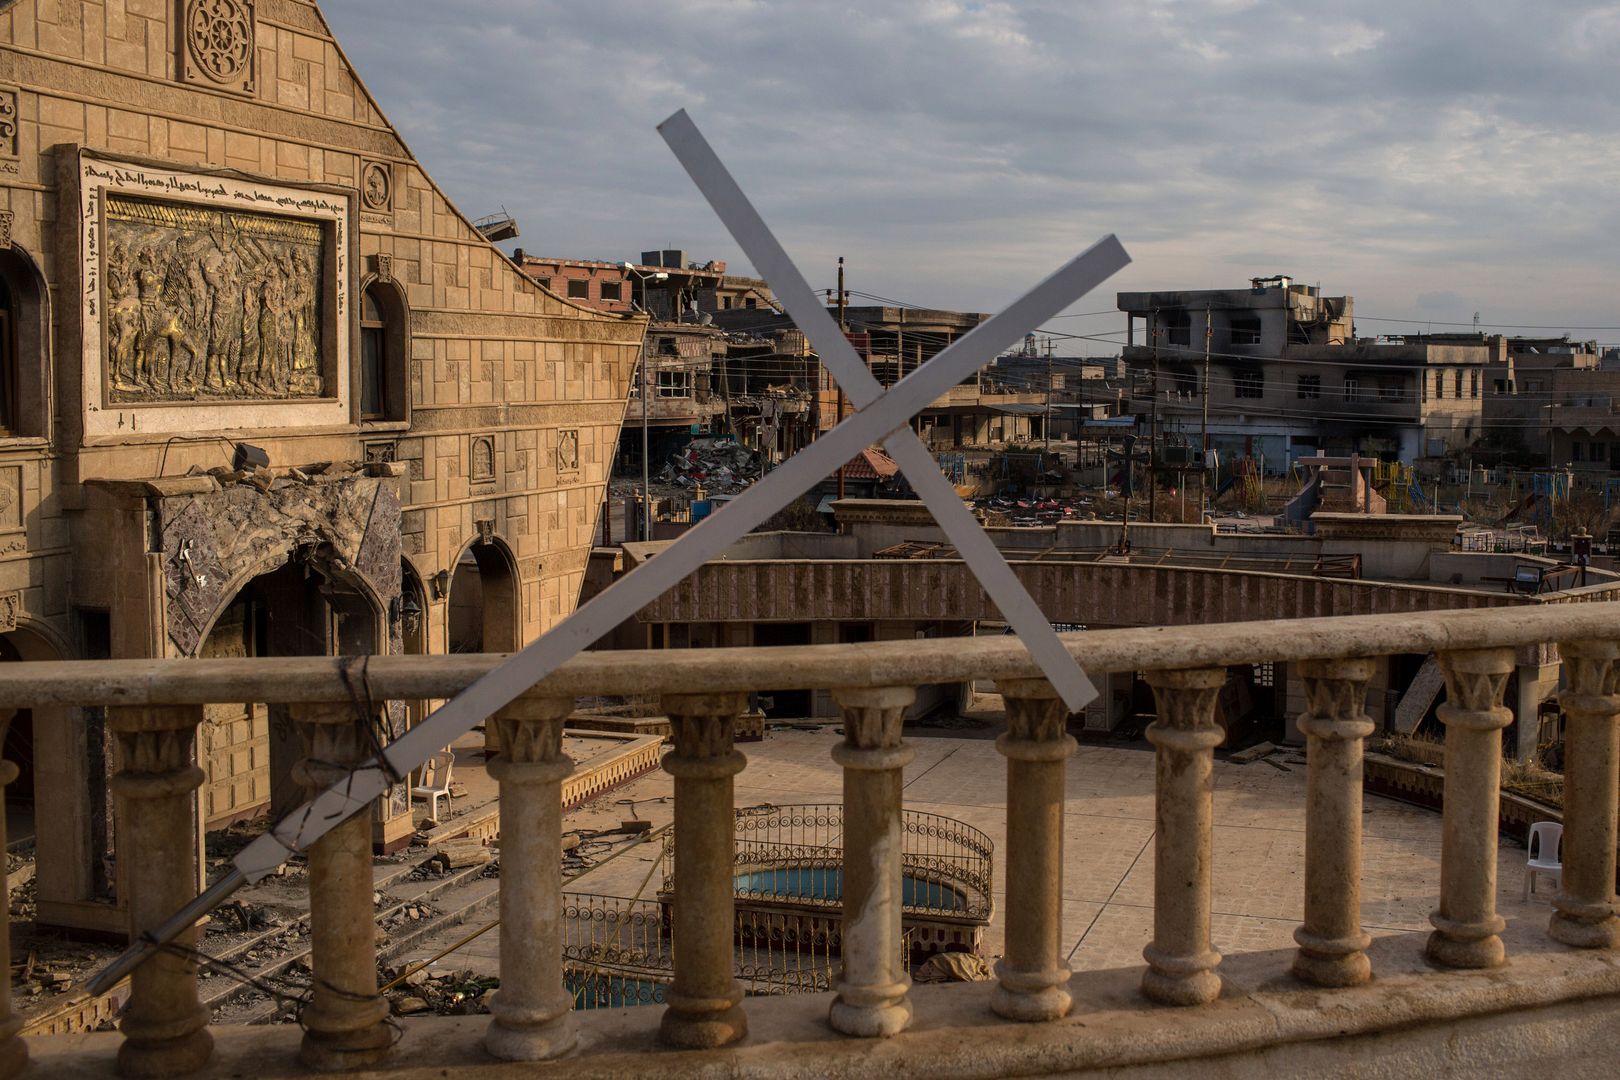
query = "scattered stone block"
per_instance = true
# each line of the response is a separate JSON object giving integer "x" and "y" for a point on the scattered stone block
{"x": 1253, "y": 753}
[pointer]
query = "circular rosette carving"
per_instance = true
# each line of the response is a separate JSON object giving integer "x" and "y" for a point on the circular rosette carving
{"x": 219, "y": 34}
{"x": 376, "y": 185}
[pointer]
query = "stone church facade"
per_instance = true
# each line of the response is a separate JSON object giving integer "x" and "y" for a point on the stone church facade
{"x": 213, "y": 244}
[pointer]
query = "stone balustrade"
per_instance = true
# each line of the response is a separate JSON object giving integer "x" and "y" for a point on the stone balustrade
{"x": 155, "y": 707}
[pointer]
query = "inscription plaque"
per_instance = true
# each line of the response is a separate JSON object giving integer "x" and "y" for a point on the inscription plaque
{"x": 210, "y": 300}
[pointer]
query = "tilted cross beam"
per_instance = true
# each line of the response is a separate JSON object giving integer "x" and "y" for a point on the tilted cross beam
{"x": 880, "y": 417}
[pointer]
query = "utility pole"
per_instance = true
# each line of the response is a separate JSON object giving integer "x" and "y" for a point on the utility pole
{"x": 1048, "y": 396}
{"x": 1153, "y": 428}
{"x": 843, "y": 301}
{"x": 646, "y": 456}
{"x": 1203, "y": 460}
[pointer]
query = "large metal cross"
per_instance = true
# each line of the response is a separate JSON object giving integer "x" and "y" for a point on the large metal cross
{"x": 880, "y": 416}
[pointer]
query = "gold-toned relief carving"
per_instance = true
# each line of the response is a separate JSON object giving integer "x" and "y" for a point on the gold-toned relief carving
{"x": 568, "y": 450}
{"x": 210, "y": 304}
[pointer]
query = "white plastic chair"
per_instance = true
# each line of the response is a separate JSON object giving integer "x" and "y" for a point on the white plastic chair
{"x": 435, "y": 783}
{"x": 1545, "y": 856}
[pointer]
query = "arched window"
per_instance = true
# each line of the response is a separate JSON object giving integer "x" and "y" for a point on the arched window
{"x": 8, "y": 358}
{"x": 24, "y": 346}
{"x": 373, "y": 357}
{"x": 383, "y": 351}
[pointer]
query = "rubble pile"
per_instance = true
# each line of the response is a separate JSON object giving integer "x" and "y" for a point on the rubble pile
{"x": 718, "y": 466}
{"x": 1033, "y": 511}
{"x": 455, "y": 992}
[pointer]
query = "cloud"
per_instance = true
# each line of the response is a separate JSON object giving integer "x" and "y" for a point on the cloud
{"x": 954, "y": 151}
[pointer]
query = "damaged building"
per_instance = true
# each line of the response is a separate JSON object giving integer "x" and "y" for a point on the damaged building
{"x": 267, "y": 393}
{"x": 1287, "y": 376}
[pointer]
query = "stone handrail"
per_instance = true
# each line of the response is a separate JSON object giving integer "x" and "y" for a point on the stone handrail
{"x": 795, "y": 667}
{"x": 156, "y": 706}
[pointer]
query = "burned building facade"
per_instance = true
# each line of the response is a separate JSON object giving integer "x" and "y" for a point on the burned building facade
{"x": 214, "y": 249}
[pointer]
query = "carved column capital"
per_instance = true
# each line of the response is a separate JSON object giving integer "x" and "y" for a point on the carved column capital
{"x": 335, "y": 741}
{"x": 156, "y": 747}
{"x": 1475, "y": 682}
{"x": 1037, "y": 722}
{"x": 530, "y": 737}
{"x": 1336, "y": 698}
{"x": 873, "y": 719}
{"x": 1592, "y": 676}
{"x": 704, "y": 726}
{"x": 1185, "y": 702}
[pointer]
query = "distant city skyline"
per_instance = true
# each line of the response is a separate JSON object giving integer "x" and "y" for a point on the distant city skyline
{"x": 1429, "y": 161}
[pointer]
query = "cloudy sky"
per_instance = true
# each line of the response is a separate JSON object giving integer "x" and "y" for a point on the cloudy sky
{"x": 1432, "y": 159}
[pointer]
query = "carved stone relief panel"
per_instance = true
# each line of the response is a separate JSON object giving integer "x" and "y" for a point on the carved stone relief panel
{"x": 10, "y": 498}
{"x": 6, "y": 218}
{"x": 567, "y": 450}
{"x": 210, "y": 301}
{"x": 10, "y": 604}
{"x": 483, "y": 459}
{"x": 383, "y": 451}
{"x": 8, "y": 122}
{"x": 376, "y": 186}
{"x": 217, "y": 43}
{"x": 203, "y": 302}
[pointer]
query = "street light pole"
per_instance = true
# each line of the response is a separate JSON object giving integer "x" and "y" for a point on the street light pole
{"x": 646, "y": 452}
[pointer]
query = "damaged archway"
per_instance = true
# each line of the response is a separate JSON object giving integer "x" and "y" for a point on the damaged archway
{"x": 308, "y": 604}
{"x": 307, "y": 566}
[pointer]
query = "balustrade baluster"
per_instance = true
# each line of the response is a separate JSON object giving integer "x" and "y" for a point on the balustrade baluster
{"x": 1585, "y": 907}
{"x": 872, "y": 987}
{"x": 532, "y": 1008}
{"x": 165, "y": 1024}
{"x": 1180, "y": 960}
{"x": 346, "y": 1022}
{"x": 1467, "y": 927}
{"x": 1332, "y": 945}
{"x": 1033, "y": 974}
{"x": 13, "y": 1051}
{"x": 704, "y": 999}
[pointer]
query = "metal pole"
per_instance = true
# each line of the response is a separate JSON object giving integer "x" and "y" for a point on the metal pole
{"x": 1048, "y": 395}
{"x": 1203, "y": 463}
{"x": 844, "y": 326}
{"x": 646, "y": 460}
{"x": 1153, "y": 430}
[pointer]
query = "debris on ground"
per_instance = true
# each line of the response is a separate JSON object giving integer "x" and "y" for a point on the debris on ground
{"x": 448, "y": 992}
{"x": 716, "y": 465}
{"x": 952, "y": 967}
{"x": 1256, "y": 752}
